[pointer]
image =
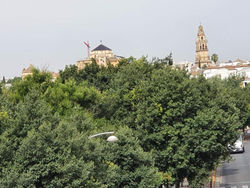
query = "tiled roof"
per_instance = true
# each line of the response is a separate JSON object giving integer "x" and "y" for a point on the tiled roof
{"x": 229, "y": 67}
{"x": 101, "y": 47}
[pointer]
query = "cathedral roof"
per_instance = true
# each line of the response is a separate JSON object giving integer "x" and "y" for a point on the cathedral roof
{"x": 101, "y": 47}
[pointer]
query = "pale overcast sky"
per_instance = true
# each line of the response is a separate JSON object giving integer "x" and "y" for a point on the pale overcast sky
{"x": 50, "y": 33}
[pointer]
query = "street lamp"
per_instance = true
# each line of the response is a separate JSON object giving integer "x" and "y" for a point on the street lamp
{"x": 111, "y": 138}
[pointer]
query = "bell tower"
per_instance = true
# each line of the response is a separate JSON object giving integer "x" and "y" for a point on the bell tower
{"x": 202, "y": 59}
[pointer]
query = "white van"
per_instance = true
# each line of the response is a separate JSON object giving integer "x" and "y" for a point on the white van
{"x": 237, "y": 146}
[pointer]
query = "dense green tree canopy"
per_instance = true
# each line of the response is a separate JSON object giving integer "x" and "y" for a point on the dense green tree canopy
{"x": 173, "y": 116}
{"x": 169, "y": 126}
{"x": 214, "y": 58}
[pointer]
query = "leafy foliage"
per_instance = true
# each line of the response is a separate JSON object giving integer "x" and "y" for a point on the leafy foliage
{"x": 214, "y": 58}
{"x": 169, "y": 126}
{"x": 63, "y": 97}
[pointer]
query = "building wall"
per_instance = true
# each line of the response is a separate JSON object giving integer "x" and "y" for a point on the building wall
{"x": 225, "y": 72}
{"x": 26, "y": 74}
{"x": 184, "y": 65}
{"x": 82, "y": 63}
{"x": 102, "y": 57}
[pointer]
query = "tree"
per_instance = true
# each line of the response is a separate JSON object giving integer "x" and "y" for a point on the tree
{"x": 116, "y": 101}
{"x": 53, "y": 157}
{"x": 214, "y": 58}
{"x": 70, "y": 72}
{"x": 39, "y": 80}
{"x": 168, "y": 112}
{"x": 36, "y": 150}
{"x": 64, "y": 97}
{"x": 132, "y": 166}
{"x": 247, "y": 94}
{"x": 171, "y": 115}
{"x": 233, "y": 84}
{"x": 1, "y": 88}
{"x": 23, "y": 117}
{"x": 95, "y": 75}
{"x": 160, "y": 63}
{"x": 13, "y": 80}
{"x": 3, "y": 81}
{"x": 170, "y": 126}
{"x": 40, "y": 149}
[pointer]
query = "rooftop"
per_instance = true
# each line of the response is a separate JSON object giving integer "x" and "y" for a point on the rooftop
{"x": 28, "y": 70}
{"x": 101, "y": 47}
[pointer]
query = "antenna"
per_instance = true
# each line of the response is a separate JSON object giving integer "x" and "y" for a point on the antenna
{"x": 88, "y": 47}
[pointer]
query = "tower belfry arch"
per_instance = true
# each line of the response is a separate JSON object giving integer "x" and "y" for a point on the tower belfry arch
{"x": 202, "y": 58}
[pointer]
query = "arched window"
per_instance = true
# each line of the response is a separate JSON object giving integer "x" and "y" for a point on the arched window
{"x": 203, "y": 46}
